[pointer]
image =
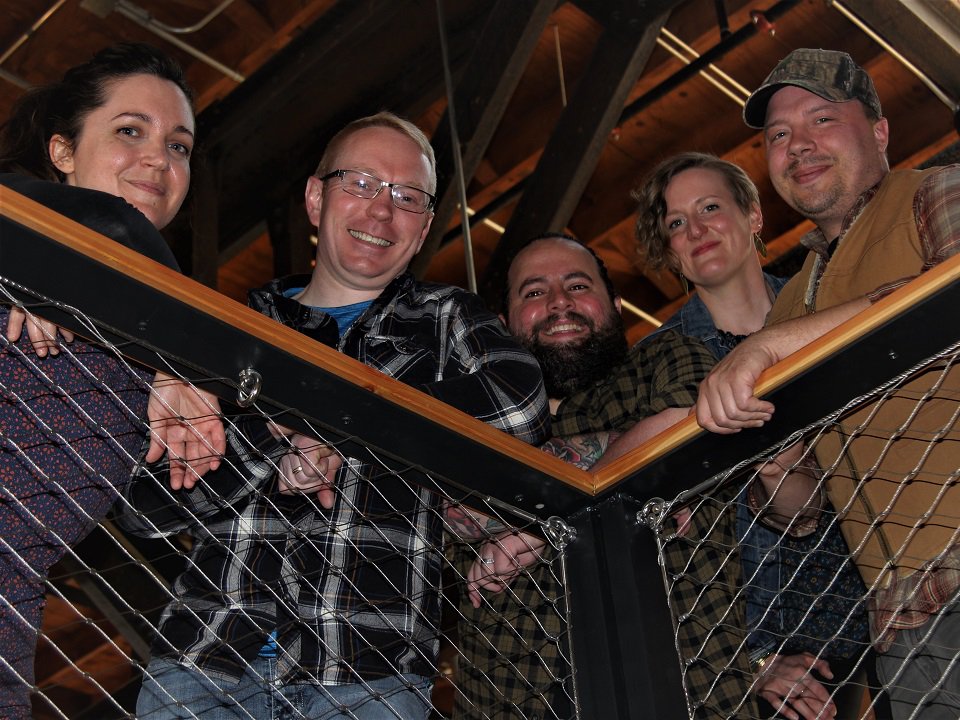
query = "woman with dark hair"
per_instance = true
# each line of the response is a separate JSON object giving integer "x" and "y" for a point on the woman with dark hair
{"x": 108, "y": 146}
{"x": 700, "y": 217}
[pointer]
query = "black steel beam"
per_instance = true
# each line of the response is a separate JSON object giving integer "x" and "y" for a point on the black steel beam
{"x": 624, "y": 655}
{"x": 147, "y": 322}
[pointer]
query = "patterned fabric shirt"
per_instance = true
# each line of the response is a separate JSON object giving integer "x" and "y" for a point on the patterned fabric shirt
{"x": 661, "y": 374}
{"x": 515, "y": 661}
{"x": 908, "y": 602}
{"x": 69, "y": 435}
{"x": 353, "y": 592}
{"x": 694, "y": 320}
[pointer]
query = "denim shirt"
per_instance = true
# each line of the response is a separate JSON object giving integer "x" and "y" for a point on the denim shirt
{"x": 759, "y": 545}
{"x": 694, "y": 319}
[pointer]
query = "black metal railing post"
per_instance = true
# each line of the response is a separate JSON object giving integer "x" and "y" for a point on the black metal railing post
{"x": 624, "y": 654}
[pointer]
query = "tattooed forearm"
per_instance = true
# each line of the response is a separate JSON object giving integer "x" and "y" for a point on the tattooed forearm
{"x": 469, "y": 524}
{"x": 580, "y": 450}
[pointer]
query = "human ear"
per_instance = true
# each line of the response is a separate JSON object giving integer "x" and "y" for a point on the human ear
{"x": 60, "y": 151}
{"x": 881, "y": 133}
{"x": 313, "y": 199}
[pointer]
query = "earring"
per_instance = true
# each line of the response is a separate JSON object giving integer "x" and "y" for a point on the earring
{"x": 684, "y": 283}
{"x": 759, "y": 244}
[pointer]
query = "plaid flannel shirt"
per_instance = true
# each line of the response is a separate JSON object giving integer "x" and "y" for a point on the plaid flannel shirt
{"x": 516, "y": 663}
{"x": 352, "y": 593}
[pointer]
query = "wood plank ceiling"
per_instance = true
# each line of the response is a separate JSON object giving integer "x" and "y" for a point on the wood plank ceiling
{"x": 561, "y": 108}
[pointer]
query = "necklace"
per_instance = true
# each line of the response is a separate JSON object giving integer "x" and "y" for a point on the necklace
{"x": 728, "y": 340}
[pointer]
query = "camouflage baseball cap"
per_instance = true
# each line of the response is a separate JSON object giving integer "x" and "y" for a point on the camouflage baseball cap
{"x": 832, "y": 75}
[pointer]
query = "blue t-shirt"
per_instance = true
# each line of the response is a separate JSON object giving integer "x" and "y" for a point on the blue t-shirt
{"x": 344, "y": 315}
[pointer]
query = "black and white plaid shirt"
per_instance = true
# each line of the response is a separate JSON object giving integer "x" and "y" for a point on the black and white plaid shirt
{"x": 351, "y": 592}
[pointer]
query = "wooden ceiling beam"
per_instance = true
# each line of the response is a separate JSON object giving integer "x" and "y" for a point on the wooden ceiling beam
{"x": 205, "y": 209}
{"x": 569, "y": 158}
{"x": 503, "y": 51}
{"x": 304, "y": 17}
{"x": 268, "y": 134}
{"x": 913, "y": 29}
{"x": 700, "y": 32}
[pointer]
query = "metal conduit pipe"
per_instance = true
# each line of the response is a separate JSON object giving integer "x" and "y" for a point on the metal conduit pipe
{"x": 716, "y": 77}
{"x": 141, "y": 17}
{"x": 503, "y": 199}
{"x": 134, "y": 13}
{"x": 196, "y": 26}
{"x": 714, "y": 53}
{"x": 14, "y": 79}
{"x": 723, "y": 22}
{"x": 634, "y": 108}
{"x": 11, "y": 77}
{"x": 457, "y": 159}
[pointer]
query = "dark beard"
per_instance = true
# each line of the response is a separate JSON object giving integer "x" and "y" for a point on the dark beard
{"x": 570, "y": 368}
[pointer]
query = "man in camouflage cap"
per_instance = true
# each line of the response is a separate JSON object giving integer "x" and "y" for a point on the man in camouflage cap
{"x": 876, "y": 229}
{"x": 832, "y": 75}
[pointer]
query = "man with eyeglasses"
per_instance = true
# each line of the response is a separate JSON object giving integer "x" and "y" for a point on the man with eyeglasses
{"x": 313, "y": 584}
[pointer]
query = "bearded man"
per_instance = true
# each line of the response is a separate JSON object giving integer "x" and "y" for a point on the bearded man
{"x": 560, "y": 303}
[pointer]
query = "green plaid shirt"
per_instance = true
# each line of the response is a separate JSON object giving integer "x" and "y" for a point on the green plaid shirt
{"x": 514, "y": 651}
{"x": 703, "y": 572}
{"x": 661, "y": 374}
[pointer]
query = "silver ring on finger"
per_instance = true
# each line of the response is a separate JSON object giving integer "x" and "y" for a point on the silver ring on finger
{"x": 487, "y": 560}
{"x": 298, "y": 469}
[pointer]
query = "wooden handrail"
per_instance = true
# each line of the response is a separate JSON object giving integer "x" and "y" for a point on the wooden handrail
{"x": 147, "y": 272}
{"x": 848, "y": 332}
{"x": 179, "y": 288}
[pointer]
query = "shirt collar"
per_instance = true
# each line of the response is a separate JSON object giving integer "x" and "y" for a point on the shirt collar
{"x": 695, "y": 319}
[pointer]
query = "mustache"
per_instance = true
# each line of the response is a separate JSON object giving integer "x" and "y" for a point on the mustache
{"x": 556, "y": 317}
{"x": 804, "y": 162}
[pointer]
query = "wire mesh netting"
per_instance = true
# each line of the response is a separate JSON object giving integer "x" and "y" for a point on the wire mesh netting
{"x": 785, "y": 574}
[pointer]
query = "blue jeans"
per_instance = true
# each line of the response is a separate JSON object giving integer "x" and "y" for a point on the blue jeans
{"x": 172, "y": 690}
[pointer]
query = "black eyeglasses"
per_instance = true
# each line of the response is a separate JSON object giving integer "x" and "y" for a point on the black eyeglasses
{"x": 367, "y": 186}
